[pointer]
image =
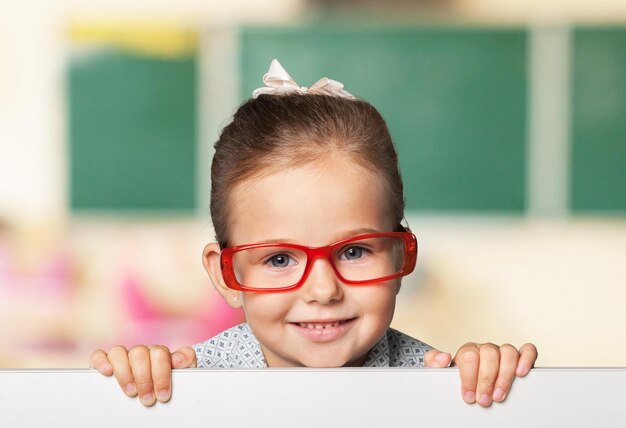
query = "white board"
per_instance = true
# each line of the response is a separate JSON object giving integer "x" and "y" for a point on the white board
{"x": 313, "y": 398}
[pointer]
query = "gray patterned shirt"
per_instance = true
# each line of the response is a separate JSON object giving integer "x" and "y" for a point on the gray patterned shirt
{"x": 237, "y": 347}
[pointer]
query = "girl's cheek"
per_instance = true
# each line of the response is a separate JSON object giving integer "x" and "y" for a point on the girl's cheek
{"x": 264, "y": 306}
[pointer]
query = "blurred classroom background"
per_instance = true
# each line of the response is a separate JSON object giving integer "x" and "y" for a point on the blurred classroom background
{"x": 510, "y": 120}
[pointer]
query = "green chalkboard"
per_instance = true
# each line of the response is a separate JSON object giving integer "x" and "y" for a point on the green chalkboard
{"x": 598, "y": 156}
{"x": 454, "y": 100}
{"x": 132, "y": 132}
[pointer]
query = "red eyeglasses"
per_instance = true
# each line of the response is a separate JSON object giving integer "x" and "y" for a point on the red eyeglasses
{"x": 360, "y": 260}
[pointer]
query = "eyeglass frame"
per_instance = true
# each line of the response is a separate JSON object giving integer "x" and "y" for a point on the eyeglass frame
{"x": 324, "y": 252}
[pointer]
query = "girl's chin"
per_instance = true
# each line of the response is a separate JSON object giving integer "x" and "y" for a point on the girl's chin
{"x": 331, "y": 361}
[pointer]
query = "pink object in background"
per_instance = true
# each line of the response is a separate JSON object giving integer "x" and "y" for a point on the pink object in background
{"x": 37, "y": 294}
{"x": 147, "y": 323}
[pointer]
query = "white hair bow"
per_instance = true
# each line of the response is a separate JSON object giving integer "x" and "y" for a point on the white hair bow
{"x": 279, "y": 82}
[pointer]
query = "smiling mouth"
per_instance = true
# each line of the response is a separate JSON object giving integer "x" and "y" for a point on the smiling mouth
{"x": 323, "y": 325}
{"x": 323, "y": 331}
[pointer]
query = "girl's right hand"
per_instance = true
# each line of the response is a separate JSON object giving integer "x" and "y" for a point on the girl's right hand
{"x": 145, "y": 371}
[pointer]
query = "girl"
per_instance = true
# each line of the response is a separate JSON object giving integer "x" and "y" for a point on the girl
{"x": 307, "y": 205}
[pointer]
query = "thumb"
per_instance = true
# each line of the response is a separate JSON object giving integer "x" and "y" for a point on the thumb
{"x": 184, "y": 358}
{"x": 436, "y": 359}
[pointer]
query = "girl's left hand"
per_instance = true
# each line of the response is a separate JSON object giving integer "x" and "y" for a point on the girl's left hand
{"x": 487, "y": 370}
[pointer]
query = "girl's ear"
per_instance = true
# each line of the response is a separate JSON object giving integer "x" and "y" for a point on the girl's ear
{"x": 211, "y": 262}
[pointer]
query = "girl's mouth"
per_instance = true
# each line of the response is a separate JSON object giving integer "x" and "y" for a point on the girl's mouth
{"x": 323, "y": 331}
{"x": 321, "y": 325}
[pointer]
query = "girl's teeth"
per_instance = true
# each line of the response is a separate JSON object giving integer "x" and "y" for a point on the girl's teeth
{"x": 319, "y": 326}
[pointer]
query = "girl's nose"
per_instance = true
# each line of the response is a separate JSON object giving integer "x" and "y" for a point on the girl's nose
{"x": 322, "y": 285}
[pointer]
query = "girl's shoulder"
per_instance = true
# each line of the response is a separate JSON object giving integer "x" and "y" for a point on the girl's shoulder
{"x": 236, "y": 347}
{"x": 397, "y": 349}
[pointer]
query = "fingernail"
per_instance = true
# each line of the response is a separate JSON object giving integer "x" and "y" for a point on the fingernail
{"x": 107, "y": 368}
{"x": 177, "y": 358}
{"x": 131, "y": 389}
{"x": 521, "y": 371}
{"x": 498, "y": 394}
{"x": 163, "y": 395}
{"x": 485, "y": 400}
{"x": 147, "y": 398}
{"x": 469, "y": 397}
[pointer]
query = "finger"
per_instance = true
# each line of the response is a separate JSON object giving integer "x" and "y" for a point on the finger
{"x": 139, "y": 358}
{"x": 99, "y": 361}
{"x": 508, "y": 364}
{"x": 184, "y": 358}
{"x": 121, "y": 369}
{"x": 528, "y": 356}
{"x": 489, "y": 367}
{"x": 161, "y": 367}
{"x": 467, "y": 359}
{"x": 436, "y": 359}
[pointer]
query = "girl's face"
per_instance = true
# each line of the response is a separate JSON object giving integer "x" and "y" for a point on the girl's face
{"x": 313, "y": 205}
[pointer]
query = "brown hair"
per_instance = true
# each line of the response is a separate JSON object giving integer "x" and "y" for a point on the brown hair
{"x": 278, "y": 131}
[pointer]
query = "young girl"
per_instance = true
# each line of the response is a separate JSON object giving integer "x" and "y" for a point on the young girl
{"x": 307, "y": 205}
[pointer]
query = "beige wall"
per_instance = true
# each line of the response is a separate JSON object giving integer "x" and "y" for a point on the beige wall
{"x": 560, "y": 284}
{"x": 540, "y": 10}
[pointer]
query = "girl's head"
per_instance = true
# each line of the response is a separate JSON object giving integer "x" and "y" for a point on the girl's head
{"x": 272, "y": 133}
{"x": 308, "y": 170}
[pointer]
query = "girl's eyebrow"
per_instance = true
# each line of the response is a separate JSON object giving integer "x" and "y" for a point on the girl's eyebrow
{"x": 355, "y": 232}
{"x": 340, "y": 236}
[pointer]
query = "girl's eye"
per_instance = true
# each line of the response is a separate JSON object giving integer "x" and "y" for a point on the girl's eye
{"x": 353, "y": 253}
{"x": 280, "y": 261}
